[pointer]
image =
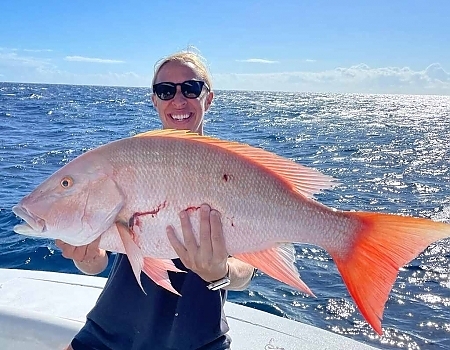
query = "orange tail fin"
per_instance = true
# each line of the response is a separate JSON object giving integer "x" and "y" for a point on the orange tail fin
{"x": 385, "y": 243}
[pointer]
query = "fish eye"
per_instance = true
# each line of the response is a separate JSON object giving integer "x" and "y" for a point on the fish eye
{"x": 66, "y": 182}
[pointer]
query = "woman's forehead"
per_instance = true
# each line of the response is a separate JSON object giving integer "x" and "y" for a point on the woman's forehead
{"x": 177, "y": 72}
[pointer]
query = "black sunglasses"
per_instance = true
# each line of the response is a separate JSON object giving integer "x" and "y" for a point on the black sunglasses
{"x": 189, "y": 88}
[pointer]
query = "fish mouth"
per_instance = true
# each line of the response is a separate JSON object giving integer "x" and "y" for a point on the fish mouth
{"x": 34, "y": 225}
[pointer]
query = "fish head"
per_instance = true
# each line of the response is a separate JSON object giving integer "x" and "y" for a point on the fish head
{"x": 76, "y": 204}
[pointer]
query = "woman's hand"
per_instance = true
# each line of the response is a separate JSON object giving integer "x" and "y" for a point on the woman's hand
{"x": 207, "y": 258}
{"x": 89, "y": 258}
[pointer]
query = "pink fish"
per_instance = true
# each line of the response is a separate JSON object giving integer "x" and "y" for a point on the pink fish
{"x": 130, "y": 190}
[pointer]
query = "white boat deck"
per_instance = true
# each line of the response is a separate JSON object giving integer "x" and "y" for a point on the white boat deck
{"x": 43, "y": 310}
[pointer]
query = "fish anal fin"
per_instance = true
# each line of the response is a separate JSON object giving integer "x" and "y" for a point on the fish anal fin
{"x": 384, "y": 243}
{"x": 277, "y": 262}
{"x": 156, "y": 270}
{"x": 133, "y": 252}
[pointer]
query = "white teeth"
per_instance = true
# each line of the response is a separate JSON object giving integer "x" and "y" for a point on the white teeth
{"x": 180, "y": 116}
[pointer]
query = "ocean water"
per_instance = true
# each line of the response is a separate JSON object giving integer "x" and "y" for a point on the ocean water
{"x": 390, "y": 153}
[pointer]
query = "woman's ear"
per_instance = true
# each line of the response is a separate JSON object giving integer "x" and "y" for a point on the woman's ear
{"x": 208, "y": 100}
{"x": 154, "y": 100}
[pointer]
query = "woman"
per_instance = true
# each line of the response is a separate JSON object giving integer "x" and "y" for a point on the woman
{"x": 126, "y": 318}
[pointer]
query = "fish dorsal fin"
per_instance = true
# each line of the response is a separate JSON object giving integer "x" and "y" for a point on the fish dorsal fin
{"x": 302, "y": 179}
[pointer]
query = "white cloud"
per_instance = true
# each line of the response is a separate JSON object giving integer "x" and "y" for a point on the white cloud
{"x": 257, "y": 60}
{"x": 18, "y": 68}
{"x": 91, "y": 60}
{"x": 12, "y": 59}
{"x": 13, "y": 49}
{"x": 310, "y": 61}
{"x": 37, "y": 50}
{"x": 56, "y": 76}
{"x": 360, "y": 78}
{"x": 25, "y": 68}
{"x": 15, "y": 63}
{"x": 435, "y": 71}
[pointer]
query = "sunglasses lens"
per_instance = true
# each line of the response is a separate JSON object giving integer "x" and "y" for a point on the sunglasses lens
{"x": 192, "y": 88}
{"x": 189, "y": 89}
{"x": 165, "y": 91}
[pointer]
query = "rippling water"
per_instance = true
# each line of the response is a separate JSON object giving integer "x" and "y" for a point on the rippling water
{"x": 390, "y": 153}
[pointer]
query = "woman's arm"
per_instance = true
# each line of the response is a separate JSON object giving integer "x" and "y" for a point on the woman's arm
{"x": 240, "y": 274}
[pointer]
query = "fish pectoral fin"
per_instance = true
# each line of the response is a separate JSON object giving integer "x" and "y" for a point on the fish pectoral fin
{"x": 277, "y": 262}
{"x": 132, "y": 250}
{"x": 156, "y": 270}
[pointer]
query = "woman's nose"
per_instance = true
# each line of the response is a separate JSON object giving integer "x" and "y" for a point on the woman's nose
{"x": 179, "y": 99}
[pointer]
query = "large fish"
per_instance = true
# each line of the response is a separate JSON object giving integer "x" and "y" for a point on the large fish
{"x": 130, "y": 190}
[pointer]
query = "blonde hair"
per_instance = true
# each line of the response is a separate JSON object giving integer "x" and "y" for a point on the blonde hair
{"x": 190, "y": 55}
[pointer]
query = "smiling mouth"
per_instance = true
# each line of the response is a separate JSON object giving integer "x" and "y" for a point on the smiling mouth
{"x": 33, "y": 226}
{"x": 181, "y": 117}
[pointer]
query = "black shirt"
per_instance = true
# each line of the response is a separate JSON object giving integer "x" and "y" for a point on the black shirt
{"x": 126, "y": 318}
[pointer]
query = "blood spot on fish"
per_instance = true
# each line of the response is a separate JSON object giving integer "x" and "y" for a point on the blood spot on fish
{"x": 134, "y": 220}
{"x": 134, "y": 236}
{"x": 192, "y": 209}
{"x": 231, "y": 221}
{"x": 226, "y": 177}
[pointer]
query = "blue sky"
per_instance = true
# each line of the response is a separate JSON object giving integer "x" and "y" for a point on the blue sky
{"x": 384, "y": 46}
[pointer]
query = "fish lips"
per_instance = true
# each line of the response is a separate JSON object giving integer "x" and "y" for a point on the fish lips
{"x": 34, "y": 226}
